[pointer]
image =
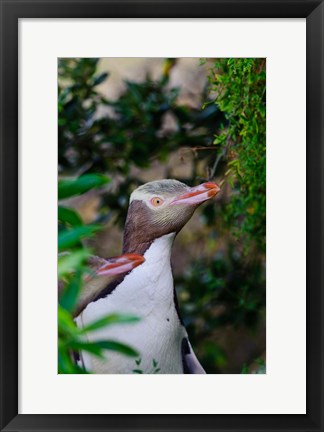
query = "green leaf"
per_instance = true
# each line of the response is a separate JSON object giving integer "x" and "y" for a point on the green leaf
{"x": 245, "y": 369}
{"x": 69, "y": 296}
{"x": 65, "y": 322}
{"x": 138, "y": 371}
{"x": 69, "y": 216}
{"x": 109, "y": 320}
{"x": 82, "y": 184}
{"x": 71, "y": 261}
{"x": 65, "y": 364}
{"x": 98, "y": 347}
{"x": 69, "y": 238}
{"x": 100, "y": 78}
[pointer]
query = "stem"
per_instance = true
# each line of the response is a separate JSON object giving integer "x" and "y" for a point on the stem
{"x": 219, "y": 157}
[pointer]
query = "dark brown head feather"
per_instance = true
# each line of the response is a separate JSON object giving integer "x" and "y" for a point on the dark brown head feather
{"x": 142, "y": 227}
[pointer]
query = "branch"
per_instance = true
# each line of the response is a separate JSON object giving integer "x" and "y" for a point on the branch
{"x": 219, "y": 157}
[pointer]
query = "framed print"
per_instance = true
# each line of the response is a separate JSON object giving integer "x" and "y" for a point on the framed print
{"x": 137, "y": 121}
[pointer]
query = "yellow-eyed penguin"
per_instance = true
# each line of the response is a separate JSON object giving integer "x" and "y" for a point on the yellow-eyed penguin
{"x": 157, "y": 212}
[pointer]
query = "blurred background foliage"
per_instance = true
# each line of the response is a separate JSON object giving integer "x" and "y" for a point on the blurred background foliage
{"x": 73, "y": 269}
{"x": 136, "y": 120}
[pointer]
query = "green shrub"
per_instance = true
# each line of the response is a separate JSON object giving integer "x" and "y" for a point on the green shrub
{"x": 240, "y": 88}
{"x": 72, "y": 268}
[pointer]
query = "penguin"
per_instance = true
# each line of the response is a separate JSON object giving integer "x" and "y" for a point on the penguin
{"x": 157, "y": 212}
{"x": 102, "y": 273}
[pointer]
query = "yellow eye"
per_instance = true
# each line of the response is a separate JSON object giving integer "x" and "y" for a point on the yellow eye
{"x": 157, "y": 201}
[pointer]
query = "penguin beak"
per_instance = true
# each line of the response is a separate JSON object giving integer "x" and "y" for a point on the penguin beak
{"x": 121, "y": 264}
{"x": 198, "y": 194}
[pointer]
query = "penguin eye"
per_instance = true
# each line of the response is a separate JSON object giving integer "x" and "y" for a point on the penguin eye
{"x": 157, "y": 201}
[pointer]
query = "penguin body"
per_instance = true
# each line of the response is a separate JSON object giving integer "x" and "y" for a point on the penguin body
{"x": 147, "y": 291}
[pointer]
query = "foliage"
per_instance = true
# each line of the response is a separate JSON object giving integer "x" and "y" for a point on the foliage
{"x": 240, "y": 87}
{"x": 258, "y": 367}
{"x": 232, "y": 283}
{"x": 72, "y": 267}
{"x": 224, "y": 289}
{"x": 71, "y": 187}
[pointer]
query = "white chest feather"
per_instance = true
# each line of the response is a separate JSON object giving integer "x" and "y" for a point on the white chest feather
{"x": 146, "y": 292}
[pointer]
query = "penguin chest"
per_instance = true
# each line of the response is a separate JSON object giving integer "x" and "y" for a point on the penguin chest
{"x": 156, "y": 338}
{"x": 147, "y": 292}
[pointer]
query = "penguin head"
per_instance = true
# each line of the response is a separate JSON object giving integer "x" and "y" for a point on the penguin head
{"x": 162, "y": 207}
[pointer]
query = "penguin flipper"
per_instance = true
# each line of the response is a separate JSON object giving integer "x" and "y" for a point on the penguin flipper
{"x": 190, "y": 362}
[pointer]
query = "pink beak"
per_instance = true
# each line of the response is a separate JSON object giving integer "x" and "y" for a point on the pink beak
{"x": 121, "y": 264}
{"x": 198, "y": 194}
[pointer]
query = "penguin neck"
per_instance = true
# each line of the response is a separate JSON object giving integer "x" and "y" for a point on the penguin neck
{"x": 136, "y": 244}
{"x": 136, "y": 247}
{"x": 158, "y": 254}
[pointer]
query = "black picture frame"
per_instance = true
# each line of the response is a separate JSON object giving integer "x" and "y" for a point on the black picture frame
{"x": 11, "y": 12}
